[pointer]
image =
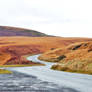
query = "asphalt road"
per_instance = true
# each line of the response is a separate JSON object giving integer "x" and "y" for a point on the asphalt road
{"x": 74, "y": 81}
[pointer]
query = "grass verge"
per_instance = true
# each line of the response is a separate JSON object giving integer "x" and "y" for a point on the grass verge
{"x": 66, "y": 69}
{"x": 3, "y": 71}
{"x": 25, "y": 65}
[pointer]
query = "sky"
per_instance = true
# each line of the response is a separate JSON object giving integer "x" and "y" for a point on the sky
{"x": 66, "y": 18}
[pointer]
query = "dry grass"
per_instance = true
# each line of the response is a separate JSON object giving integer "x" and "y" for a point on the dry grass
{"x": 21, "y": 65}
{"x": 43, "y": 41}
{"x": 3, "y": 71}
{"x": 77, "y": 58}
{"x": 13, "y": 49}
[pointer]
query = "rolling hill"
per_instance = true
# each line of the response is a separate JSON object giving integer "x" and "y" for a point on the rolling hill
{"x": 76, "y": 57}
{"x": 14, "y": 31}
{"x": 14, "y": 49}
{"x": 17, "y": 43}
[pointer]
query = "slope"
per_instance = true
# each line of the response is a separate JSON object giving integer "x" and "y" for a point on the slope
{"x": 14, "y": 31}
{"x": 75, "y": 58}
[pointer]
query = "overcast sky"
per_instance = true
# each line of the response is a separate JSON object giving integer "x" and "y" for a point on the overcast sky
{"x": 67, "y": 18}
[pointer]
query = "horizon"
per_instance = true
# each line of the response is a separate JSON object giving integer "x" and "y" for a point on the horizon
{"x": 65, "y": 18}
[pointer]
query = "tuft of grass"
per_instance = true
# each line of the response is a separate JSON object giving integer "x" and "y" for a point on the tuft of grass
{"x": 78, "y": 71}
{"x": 75, "y": 66}
{"x": 3, "y": 71}
{"x": 66, "y": 69}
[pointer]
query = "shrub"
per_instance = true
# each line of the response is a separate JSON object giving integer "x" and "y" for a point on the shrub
{"x": 61, "y": 57}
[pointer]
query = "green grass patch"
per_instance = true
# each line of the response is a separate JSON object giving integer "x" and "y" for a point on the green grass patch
{"x": 3, "y": 71}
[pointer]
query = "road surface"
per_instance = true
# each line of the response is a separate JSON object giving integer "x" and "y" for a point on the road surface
{"x": 79, "y": 82}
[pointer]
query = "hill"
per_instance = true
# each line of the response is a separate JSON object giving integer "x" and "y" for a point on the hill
{"x": 74, "y": 58}
{"x": 14, "y": 31}
{"x": 16, "y": 43}
{"x": 13, "y": 50}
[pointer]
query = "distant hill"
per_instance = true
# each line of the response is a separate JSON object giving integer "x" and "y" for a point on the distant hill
{"x": 16, "y": 43}
{"x": 14, "y": 31}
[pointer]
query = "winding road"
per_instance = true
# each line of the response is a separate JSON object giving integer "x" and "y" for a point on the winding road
{"x": 80, "y": 82}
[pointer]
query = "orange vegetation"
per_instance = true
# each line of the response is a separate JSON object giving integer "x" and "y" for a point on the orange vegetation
{"x": 76, "y": 57}
{"x": 13, "y": 49}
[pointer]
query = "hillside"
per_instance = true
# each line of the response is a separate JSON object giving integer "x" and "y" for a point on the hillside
{"x": 16, "y": 43}
{"x": 13, "y": 50}
{"x": 74, "y": 58}
{"x": 14, "y": 31}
